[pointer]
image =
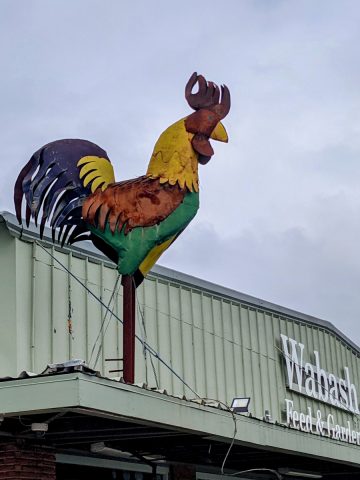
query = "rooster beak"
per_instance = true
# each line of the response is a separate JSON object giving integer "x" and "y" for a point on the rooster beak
{"x": 219, "y": 133}
{"x": 202, "y": 145}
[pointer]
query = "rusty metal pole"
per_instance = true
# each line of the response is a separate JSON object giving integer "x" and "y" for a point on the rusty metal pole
{"x": 128, "y": 328}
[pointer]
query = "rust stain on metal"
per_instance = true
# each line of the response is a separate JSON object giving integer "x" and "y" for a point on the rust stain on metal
{"x": 141, "y": 202}
{"x": 69, "y": 326}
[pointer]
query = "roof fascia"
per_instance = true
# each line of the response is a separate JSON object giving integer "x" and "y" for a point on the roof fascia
{"x": 103, "y": 397}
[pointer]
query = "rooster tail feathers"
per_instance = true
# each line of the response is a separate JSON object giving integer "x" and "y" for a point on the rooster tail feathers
{"x": 18, "y": 189}
{"x": 56, "y": 181}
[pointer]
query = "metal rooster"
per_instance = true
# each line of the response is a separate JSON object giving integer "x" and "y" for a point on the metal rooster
{"x": 71, "y": 184}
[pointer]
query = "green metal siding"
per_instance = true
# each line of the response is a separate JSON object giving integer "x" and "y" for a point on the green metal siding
{"x": 221, "y": 345}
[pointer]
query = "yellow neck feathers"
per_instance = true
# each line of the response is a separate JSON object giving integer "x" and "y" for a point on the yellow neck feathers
{"x": 174, "y": 160}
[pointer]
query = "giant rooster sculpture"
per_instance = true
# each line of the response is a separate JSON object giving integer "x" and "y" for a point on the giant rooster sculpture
{"x": 71, "y": 184}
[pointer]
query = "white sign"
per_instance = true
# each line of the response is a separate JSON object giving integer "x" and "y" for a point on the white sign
{"x": 314, "y": 381}
{"x": 322, "y": 425}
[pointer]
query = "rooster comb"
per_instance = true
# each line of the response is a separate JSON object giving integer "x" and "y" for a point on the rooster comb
{"x": 208, "y": 96}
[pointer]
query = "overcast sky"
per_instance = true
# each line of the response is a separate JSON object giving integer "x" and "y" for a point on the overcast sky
{"x": 280, "y": 204}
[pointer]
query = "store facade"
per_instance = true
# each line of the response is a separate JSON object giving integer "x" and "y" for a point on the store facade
{"x": 208, "y": 345}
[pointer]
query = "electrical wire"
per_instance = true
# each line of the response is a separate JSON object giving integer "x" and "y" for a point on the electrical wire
{"x": 103, "y": 322}
{"x": 230, "y": 410}
{"x": 142, "y": 329}
{"x": 151, "y": 350}
{"x": 114, "y": 295}
{"x": 274, "y": 472}
{"x": 156, "y": 355}
{"x": 145, "y": 339}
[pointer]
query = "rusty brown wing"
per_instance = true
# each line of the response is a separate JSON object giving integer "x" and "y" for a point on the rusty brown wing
{"x": 140, "y": 202}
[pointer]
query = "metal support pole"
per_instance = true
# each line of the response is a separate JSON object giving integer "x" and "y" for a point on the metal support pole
{"x": 128, "y": 328}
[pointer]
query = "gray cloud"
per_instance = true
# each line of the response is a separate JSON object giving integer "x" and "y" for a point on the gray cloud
{"x": 280, "y": 203}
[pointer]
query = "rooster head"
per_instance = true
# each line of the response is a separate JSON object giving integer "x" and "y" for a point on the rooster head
{"x": 210, "y": 109}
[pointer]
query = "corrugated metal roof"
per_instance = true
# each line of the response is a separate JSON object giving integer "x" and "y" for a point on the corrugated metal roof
{"x": 87, "y": 249}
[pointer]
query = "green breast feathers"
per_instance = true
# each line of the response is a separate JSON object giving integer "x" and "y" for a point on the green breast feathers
{"x": 142, "y": 231}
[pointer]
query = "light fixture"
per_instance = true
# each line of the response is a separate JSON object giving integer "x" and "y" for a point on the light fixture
{"x": 2, "y": 417}
{"x": 39, "y": 427}
{"x": 298, "y": 473}
{"x": 240, "y": 405}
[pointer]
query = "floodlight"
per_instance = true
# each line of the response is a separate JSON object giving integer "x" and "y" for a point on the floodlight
{"x": 39, "y": 427}
{"x": 240, "y": 405}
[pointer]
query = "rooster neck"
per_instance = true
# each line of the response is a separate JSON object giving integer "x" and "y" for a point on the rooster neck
{"x": 174, "y": 160}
